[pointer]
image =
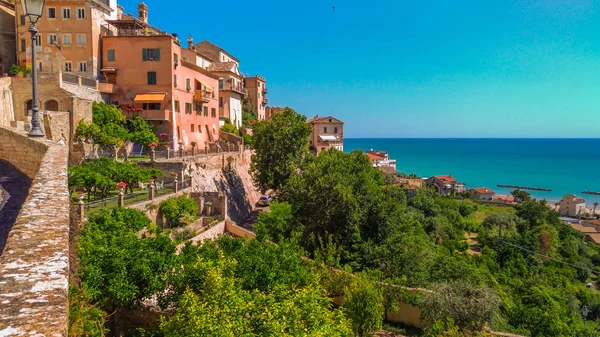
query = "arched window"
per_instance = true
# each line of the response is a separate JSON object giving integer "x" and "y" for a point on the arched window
{"x": 28, "y": 107}
{"x": 51, "y": 105}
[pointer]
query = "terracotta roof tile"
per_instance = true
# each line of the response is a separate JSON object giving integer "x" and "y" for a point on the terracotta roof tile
{"x": 374, "y": 156}
{"x": 483, "y": 190}
{"x": 446, "y": 179}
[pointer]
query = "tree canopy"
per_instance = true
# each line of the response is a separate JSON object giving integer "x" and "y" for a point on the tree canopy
{"x": 280, "y": 147}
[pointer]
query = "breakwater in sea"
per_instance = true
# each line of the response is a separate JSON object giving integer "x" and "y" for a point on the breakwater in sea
{"x": 525, "y": 188}
{"x": 590, "y": 193}
{"x": 565, "y": 166}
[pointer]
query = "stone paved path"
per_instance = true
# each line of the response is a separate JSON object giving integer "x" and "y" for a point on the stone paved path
{"x": 16, "y": 184}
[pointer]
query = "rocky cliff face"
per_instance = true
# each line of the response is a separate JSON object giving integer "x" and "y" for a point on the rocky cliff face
{"x": 225, "y": 172}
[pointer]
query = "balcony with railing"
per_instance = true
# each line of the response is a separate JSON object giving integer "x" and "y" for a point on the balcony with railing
{"x": 265, "y": 100}
{"x": 203, "y": 96}
{"x": 150, "y": 115}
{"x": 265, "y": 91}
{"x": 239, "y": 87}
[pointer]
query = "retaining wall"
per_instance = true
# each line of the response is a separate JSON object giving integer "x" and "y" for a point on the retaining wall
{"x": 34, "y": 266}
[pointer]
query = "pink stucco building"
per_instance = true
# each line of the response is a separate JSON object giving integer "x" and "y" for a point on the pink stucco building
{"x": 179, "y": 98}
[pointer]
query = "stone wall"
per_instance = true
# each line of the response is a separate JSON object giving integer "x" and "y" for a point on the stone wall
{"x": 56, "y": 126}
{"x": 34, "y": 265}
{"x": 23, "y": 152}
{"x": 7, "y": 113}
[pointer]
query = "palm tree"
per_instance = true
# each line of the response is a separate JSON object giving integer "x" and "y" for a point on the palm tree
{"x": 595, "y": 205}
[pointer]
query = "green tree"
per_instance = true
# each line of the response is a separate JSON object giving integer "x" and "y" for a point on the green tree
{"x": 276, "y": 223}
{"x": 230, "y": 128}
{"x": 520, "y": 195}
{"x": 248, "y": 114}
{"x": 280, "y": 147}
{"x": 175, "y": 209}
{"x": 85, "y": 319}
{"x": 467, "y": 304}
{"x": 118, "y": 268}
{"x": 364, "y": 306}
{"x": 140, "y": 131}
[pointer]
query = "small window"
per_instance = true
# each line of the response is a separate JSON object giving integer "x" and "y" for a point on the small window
{"x": 51, "y": 13}
{"x": 66, "y": 13}
{"x": 51, "y": 39}
{"x": 213, "y": 112}
{"x": 68, "y": 66}
{"x": 335, "y": 130}
{"x": 192, "y": 127}
{"x": 198, "y": 109}
{"x": 176, "y": 106}
{"x": 82, "y": 66}
{"x": 40, "y": 66}
{"x": 176, "y": 57}
{"x": 188, "y": 108}
{"x": 81, "y": 13}
{"x": 66, "y": 39}
{"x": 22, "y": 20}
{"x": 175, "y": 80}
{"x": 220, "y": 83}
{"x": 38, "y": 40}
{"x": 188, "y": 86}
{"x": 152, "y": 78}
{"x": 23, "y": 45}
{"x": 325, "y": 129}
{"x": 206, "y": 111}
{"x": 110, "y": 55}
{"x": 151, "y": 54}
{"x": 81, "y": 41}
{"x": 220, "y": 102}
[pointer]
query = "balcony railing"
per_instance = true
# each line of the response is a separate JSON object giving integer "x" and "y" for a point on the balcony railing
{"x": 151, "y": 115}
{"x": 265, "y": 101}
{"x": 265, "y": 91}
{"x": 238, "y": 88}
{"x": 203, "y": 96}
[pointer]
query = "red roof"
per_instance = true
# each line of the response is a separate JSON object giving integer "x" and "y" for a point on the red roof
{"x": 445, "y": 179}
{"x": 483, "y": 190}
{"x": 374, "y": 156}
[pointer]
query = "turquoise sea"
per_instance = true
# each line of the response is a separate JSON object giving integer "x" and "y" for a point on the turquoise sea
{"x": 562, "y": 165}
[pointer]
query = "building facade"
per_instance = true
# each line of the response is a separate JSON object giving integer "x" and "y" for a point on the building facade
{"x": 7, "y": 36}
{"x": 571, "y": 205}
{"x": 256, "y": 88}
{"x": 69, "y": 36}
{"x": 151, "y": 80}
{"x": 381, "y": 159}
{"x": 231, "y": 82}
{"x": 483, "y": 193}
{"x": 445, "y": 185}
{"x": 327, "y": 133}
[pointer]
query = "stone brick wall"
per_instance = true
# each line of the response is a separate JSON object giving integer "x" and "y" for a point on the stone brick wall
{"x": 56, "y": 126}
{"x": 23, "y": 152}
{"x": 34, "y": 265}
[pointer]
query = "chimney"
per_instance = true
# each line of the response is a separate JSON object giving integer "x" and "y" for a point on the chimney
{"x": 190, "y": 41}
{"x": 143, "y": 12}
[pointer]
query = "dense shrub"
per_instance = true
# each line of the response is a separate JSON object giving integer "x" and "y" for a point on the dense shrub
{"x": 175, "y": 209}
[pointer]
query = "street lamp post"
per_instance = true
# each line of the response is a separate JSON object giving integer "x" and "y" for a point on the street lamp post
{"x": 34, "y": 9}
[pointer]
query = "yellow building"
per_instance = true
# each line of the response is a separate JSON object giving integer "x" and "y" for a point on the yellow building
{"x": 327, "y": 132}
{"x": 256, "y": 88}
{"x": 69, "y": 36}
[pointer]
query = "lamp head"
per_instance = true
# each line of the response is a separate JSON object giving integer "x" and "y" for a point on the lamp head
{"x": 33, "y": 9}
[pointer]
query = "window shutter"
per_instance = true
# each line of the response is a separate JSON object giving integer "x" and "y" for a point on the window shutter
{"x": 175, "y": 80}
{"x": 144, "y": 54}
{"x": 153, "y": 77}
{"x": 157, "y": 54}
{"x": 149, "y": 78}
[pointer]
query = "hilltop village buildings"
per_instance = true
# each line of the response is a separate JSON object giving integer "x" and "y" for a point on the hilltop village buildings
{"x": 185, "y": 91}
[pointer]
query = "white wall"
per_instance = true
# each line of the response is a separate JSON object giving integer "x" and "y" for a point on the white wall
{"x": 235, "y": 111}
{"x": 224, "y": 58}
{"x": 202, "y": 62}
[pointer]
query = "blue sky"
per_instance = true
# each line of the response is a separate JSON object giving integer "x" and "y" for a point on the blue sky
{"x": 508, "y": 68}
